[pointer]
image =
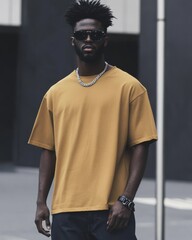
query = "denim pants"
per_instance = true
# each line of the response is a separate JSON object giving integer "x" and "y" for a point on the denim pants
{"x": 89, "y": 225}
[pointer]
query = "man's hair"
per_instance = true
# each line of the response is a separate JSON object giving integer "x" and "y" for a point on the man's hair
{"x": 89, "y": 9}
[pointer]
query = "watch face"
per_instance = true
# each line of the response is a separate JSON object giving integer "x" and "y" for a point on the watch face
{"x": 123, "y": 200}
{"x": 127, "y": 203}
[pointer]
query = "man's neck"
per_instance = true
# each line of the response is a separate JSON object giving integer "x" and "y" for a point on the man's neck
{"x": 92, "y": 68}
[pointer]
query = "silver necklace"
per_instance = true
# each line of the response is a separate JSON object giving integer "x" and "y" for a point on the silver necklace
{"x": 94, "y": 80}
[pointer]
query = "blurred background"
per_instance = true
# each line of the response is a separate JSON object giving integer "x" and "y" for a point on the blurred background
{"x": 35, "y": 52}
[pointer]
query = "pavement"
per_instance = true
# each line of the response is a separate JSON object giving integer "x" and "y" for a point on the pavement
{"x": 18, "y": 190}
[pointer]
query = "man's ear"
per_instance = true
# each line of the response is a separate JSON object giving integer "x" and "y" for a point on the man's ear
{"x": 72, "y": 41}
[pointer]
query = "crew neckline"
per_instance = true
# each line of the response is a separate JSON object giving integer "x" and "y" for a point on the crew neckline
{"x": 85, "y": 76}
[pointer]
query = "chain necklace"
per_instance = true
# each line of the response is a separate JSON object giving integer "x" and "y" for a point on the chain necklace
{"x": 94, "y": 80}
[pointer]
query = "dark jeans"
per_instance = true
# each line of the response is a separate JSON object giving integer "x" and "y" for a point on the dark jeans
{"x": 88, "y": 226}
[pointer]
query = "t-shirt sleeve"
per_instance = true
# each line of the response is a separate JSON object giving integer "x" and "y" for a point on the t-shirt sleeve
{"x": 141, "y": 127}
{"x": 42, "y": 134}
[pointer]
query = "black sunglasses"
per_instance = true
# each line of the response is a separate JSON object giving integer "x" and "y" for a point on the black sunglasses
{"x": 95, "y": 35}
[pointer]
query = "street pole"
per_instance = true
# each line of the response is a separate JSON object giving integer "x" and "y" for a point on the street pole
{"x": 160, "y": 219}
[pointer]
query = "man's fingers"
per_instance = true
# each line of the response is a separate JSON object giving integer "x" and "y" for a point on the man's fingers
{"x": 48, "y": 224}
{"x": 116, "y": 222}
{"x": 41, "y": 229}
{"x": 42, "y": 220}
{"x": 109, "y": 218}
{"x": 112, "y": 223}
{"x": 123, "y": 223}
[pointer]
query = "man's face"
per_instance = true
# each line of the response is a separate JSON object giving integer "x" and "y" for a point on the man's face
{"x": 90, "y": 40}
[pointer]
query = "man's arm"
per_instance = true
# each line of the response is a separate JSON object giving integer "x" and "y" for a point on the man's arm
{"x": 119, "y": 214}
{"x": 46, "y": 174}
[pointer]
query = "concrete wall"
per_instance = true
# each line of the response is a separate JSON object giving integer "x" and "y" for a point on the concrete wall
{"x": 127, "y": 13}
{"x": 178, "y": 71}
{"x": 8, "y": 70}
{"x": 44, "y": 58}
{"x": 178, "y": 87}
{"x": 10, "y": 12}
{"x": 147, "y": 65}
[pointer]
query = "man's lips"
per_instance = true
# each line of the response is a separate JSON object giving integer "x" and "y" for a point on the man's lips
{"x": 88, "y": 48}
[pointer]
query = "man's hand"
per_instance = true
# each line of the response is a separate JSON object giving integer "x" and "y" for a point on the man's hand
{"x": 42, "y": 215}
{"x": 118, "y": 217}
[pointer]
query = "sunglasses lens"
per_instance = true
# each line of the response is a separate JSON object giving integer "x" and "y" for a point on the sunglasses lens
{"x": 94, "y": 35}
{"x": 80, "y": 35}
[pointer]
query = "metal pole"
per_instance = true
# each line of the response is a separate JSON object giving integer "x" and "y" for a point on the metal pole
{"x": 160, "y": 121}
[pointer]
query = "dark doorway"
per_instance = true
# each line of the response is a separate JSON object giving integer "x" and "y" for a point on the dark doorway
{"x": 122, "y": 51}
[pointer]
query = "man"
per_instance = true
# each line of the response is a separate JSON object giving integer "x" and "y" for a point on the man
{"x": 94, "y": 127}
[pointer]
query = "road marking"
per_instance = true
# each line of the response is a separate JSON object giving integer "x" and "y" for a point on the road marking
{"x": 176, "y": 203}
{"x": 145, "y": 224}
{"x": 11, "y": 238}
{"x": 180, "y": 223}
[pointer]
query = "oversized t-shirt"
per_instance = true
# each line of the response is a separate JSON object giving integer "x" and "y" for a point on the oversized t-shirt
{"x": 91, "y": 130}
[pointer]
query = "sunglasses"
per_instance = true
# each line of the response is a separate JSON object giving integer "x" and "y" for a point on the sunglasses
{"x": 95, "y": 35}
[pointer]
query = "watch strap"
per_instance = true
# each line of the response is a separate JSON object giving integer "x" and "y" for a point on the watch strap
{"x": 127, "y": 203}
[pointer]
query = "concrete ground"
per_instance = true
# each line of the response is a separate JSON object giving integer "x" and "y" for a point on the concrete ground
{"x": 18, "y": 189}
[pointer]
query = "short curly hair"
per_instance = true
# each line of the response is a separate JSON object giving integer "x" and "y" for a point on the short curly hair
{"x": 89, "y": 9}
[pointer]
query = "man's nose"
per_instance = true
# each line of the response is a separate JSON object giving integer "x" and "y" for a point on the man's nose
{"x": 88, "y": 39}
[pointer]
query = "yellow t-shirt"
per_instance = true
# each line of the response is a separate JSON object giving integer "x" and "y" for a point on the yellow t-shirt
{"x": 91, "y": 130}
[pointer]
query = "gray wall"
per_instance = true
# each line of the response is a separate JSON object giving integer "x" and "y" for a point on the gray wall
{"x": 8, "y": 69}
{"x": 44, "y": 58}
{"x": 147, "y": 66}
{"x": 178, "y": 84}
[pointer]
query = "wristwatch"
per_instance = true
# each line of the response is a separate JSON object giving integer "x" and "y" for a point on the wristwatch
{"x": 127, "y": 203}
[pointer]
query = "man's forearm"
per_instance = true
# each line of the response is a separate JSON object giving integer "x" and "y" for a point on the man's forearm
{"x": 119, "y": 215}
{"x": 139, "y": 154}
{"x": 46, "y": 175}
